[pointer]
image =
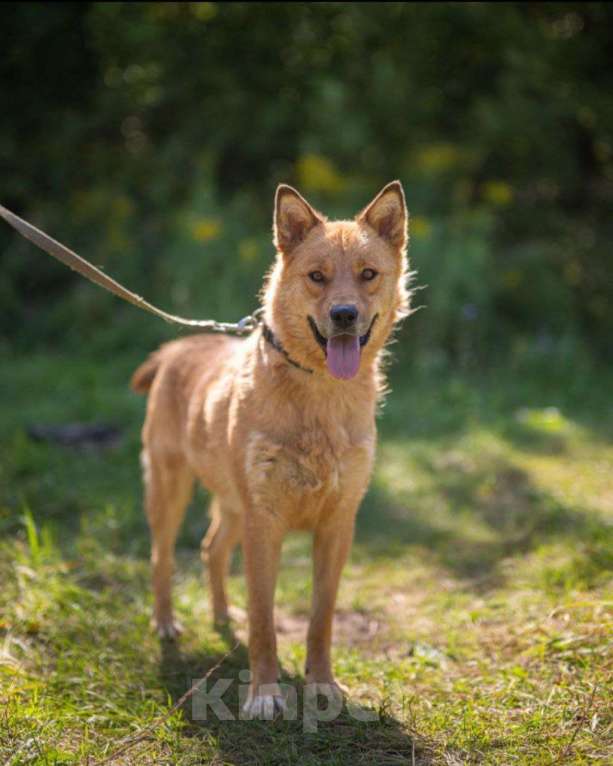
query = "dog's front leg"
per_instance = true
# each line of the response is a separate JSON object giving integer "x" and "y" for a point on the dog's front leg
{"x": 262, "y": 546}
{"x": 331, "y": 546}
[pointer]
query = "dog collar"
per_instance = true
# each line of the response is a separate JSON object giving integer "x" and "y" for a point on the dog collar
{"x": 270, "y": 337}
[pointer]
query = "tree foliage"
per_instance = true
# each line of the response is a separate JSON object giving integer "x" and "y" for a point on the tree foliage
{"x": 151, "y": 137}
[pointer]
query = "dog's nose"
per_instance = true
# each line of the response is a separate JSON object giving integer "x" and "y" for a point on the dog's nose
{"x": 344, "y": 315}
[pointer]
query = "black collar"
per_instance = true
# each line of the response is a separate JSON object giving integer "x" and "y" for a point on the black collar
{"x": 269, "y": 337}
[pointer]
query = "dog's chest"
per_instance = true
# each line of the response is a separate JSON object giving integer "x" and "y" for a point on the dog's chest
{"x": 296, "y": 473}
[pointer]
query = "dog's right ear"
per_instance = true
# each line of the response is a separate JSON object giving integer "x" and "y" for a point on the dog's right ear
{"x": 293, "y": 219}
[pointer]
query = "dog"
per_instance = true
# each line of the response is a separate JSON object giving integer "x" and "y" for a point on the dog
{"x": 279, "y": 426}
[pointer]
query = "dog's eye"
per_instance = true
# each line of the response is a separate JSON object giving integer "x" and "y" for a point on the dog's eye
{"x": 316, "y": 276}
{"x": 368, "y": 274}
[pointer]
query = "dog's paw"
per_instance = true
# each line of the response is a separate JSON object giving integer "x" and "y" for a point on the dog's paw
{"x": 167, "y": 629}
{"x": 264, "y": 707}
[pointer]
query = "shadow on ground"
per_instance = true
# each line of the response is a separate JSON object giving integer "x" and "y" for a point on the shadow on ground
{"x": 358, "y": 735}
{"x": 476, "y": 515}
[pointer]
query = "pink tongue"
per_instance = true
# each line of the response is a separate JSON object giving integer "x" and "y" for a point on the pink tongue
{"x": 343, "y": 356}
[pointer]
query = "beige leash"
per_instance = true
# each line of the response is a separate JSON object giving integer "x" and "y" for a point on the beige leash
{"x": 89, "y": 271}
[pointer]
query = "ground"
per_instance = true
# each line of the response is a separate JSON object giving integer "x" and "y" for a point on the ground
{"x": 474, "y": 618}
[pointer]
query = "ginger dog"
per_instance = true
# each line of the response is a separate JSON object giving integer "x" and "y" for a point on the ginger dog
{"x": 280, "y": 426}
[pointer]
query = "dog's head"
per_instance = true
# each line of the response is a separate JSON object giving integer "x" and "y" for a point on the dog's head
{"x": 338, "y": 287}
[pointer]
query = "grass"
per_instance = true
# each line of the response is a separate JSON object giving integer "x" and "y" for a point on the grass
{"x": 474, "y": 617}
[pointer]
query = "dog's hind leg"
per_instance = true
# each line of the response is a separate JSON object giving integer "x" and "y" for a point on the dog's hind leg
{"x": 221, "y": 538}
{"x": 168, "y": 489}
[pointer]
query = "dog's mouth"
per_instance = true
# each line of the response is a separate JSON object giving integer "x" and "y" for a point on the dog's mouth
{"x": 342, "y": 351}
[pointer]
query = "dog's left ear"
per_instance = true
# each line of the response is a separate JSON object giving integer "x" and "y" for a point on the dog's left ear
{"x": 293, "y": 220}
{"x": 387, "y": 215}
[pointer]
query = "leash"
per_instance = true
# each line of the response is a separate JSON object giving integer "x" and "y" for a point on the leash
{"x": 69, "y": 258}
{"x": 86, "y": 269}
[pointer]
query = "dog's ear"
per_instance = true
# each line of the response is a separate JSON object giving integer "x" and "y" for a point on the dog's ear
{"x": 387, "y": 214}
{"x": 293, "y": 219}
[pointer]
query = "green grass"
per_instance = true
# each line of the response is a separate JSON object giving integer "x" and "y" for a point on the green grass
{"x": 474, "y": 617}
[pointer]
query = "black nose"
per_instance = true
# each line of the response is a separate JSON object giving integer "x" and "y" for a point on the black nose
{"x": 344, "y": 315}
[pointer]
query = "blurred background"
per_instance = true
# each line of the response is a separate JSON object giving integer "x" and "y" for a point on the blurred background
{"x": 150, "y": 138}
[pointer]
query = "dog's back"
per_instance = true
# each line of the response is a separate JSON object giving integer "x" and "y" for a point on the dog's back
{"x": 176, "y": 378}
{"x": 185, "y": 357}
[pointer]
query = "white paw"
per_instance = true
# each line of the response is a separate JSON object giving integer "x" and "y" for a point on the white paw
{"x": 264, "y": 707}
{"x": 168, "y": 629}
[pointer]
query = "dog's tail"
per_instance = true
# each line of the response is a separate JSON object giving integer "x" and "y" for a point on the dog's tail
{"x": 143, "y": 376}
